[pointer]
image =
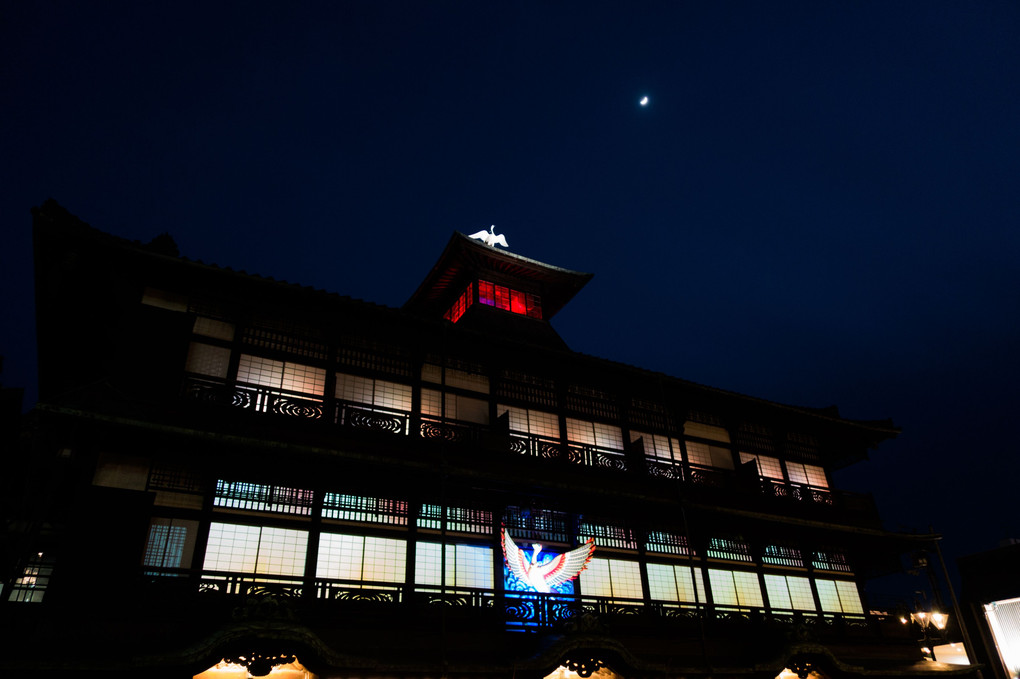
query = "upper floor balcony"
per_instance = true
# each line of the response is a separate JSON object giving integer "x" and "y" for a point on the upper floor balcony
{"x": 372, "y": 421}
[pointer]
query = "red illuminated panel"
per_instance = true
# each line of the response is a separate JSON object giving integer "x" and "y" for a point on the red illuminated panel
{"x": 460, "y": 306}
{"x": 486, "y": 294}
{"x": 517, "y": 304}
{"x": 501, "y": 297}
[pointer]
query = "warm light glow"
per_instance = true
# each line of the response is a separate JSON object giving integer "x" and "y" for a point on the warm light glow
{"x": 228, "y": 670}
{"x": 952, "y": 654}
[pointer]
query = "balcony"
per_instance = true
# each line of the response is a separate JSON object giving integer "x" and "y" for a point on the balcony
{"x": 368, "y": 420}
{"x": 382, "y": 603}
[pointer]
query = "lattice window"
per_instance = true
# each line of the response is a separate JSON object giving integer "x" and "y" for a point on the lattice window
{"x": 613, "y": 579}
{"x": 34, "y": 580}
{"x": 173, "y": 478}
{"x": 649, "y": 414}
{"x": 211, "y": 327}
{"x": 768, "y": 466}
{"x": 535, "y": 422}
{"x": 607, "y": 533}
{"x": 802, "y": 446}
{"x": 364, "y": 509}
{"x": 267, "y": 372}
{"x": 831, "y": 560}
{"x": 839, "y": 596}
{"x": 665, "y": 542}
{"x": 360, "y": 558}
{"x": 591, "y": 401}
{"x": 515, "y": 301}
{"x": 807, "y": 474}
{"x": 656, "y": 445}
{"x": 262, "y": 498}
{"x": 674, "y": 582}
{"x": 459, "y": 374}
{"x": 755, "y": 437}
{"x": 529, "y": 388}
{"x": 466, "y": 565}
{"x": 594, "y": 434}
{"x": 704, "y": 455}
{"x": 780, "y": 555}
{"x": 789, "y": 593}
{"x": 367, "y": 391}
{"x": 458, "y": 519}
{"x": 540, "y": 525}
{"x": 206, "y": 359}
{"x": 460, "y": 305}
{"x": 361, "y": 352}
{"x": 255, "y": 549}
{"x": 292, "y": 340}
{"x": 458, "y": 407}
{"x": 171, "y": 544}
{"x": 735, "y": 588}
{"x": 729, "y": 548}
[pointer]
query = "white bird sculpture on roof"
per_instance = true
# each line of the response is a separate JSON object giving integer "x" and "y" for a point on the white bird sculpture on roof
{"x": 489, "y": 237}
{"x": 544, "y": 576}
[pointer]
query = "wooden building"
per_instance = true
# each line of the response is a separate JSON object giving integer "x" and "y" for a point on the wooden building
{"x": 227, "y": 472}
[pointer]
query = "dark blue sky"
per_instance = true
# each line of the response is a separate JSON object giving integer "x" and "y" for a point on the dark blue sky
{"x": 819, "y": 205}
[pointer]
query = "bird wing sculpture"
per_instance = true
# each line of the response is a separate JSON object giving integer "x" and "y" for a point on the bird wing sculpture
{"x": 489, "y": 237}
{"x": 544, "y": 576}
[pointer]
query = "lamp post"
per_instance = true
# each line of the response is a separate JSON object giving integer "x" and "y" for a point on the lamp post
{"x": 927, "y": 620}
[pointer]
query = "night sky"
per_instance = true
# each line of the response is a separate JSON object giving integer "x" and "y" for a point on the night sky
{"x": 818, "y": 206}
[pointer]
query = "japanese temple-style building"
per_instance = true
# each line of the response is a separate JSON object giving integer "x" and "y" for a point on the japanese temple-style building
{"x": 229, "y": 476}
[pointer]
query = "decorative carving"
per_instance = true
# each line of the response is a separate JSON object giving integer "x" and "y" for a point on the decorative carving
{"x": 297, "y": 407}
{"x": 366, "y": 419}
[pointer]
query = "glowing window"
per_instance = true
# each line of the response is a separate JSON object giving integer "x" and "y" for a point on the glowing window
{"x": 839, "y": 596}
{"x": 534, "y": 422}
{"x": 705, "y": 455}
{"x": 675, "y": 583}
{"x": 658, "y": 446}
{"x": 365, "y": 509}
{"x": 210, "y": 327}
{"x": 735, "y": 588}
{"x": 461, "y": 305}
{"x": 360, "y": 558}
{"x": 31, "y": 585}
{"x": 781, "y": 555}
{"x": 372, "y": 392}
{"x": 515, "y": 301}
{"x": 768, "y": 467}
{"x": 205, "y": 359}
{"x": 666, "y": 543}
{"x": 808, "y": 474}
{"x": 255, "y": 549}
{"x": 612, "y": 578}
{"x": 171, "y": 544}
{"x": 789, "y": 593}
{"x": 706, "y": 431}
{"x": 458, "y": 519}
{"x": 466, "y": 565}
{"x": 726, "y": 548}
{"x": 266, "y": 372}
{"x": 457, "y": 407}
{"x": 594, "y": 434}
{"x": 262, "y": 498}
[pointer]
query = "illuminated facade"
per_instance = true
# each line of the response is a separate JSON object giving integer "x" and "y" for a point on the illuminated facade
{"x": 991, "y": 600}
{"x": 226, "y": 468}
